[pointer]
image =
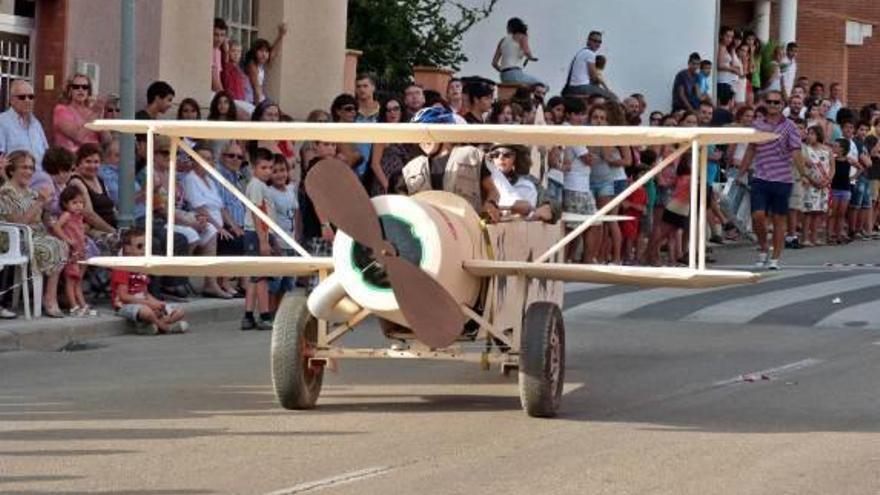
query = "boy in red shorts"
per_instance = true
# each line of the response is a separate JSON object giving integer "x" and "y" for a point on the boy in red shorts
{"x": 132, "y": 301}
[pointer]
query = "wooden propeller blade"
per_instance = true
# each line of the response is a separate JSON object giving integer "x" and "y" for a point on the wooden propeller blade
{"x": 337, "y": 194}
{"x": 430, "y": 310}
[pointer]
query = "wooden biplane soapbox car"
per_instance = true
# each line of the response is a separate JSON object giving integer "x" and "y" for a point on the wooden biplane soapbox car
{"x": 450, "y": 286}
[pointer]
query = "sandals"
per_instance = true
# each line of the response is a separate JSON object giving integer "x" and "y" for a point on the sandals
{"x": 53, "y": 312}
{"x": 217, "y": 294}
{"x": 84, "y": 311}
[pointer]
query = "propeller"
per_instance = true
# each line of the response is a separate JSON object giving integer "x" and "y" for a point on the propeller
{"x": 432, "y": 313}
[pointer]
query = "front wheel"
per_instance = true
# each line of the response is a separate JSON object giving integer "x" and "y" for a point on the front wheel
{"x": 294, "y": 337}
{"x": 542, "y": 360}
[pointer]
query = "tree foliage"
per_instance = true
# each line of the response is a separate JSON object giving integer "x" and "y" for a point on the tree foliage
{"x": 396, "y": 35}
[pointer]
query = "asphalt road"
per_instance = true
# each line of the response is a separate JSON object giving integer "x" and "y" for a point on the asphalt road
{"x": 651, "y": 406}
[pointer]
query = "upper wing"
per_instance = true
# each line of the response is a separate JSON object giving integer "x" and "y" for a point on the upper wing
{"x": 216, "y": 266}
{"x": 605, "y": 274}
{"x": 420, "y": 133}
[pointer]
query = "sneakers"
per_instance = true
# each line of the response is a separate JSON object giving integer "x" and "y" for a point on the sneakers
{"x": 773, "y": 265}
{"x": 179, "y": 327}
{"x": 762, "y": 260}
{"x": 5, "y": 314}
{"x": 250, "y": 323}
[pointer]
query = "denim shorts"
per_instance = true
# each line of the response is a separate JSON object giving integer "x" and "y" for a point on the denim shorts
{"x": 770, "y": 196}
{"x": 602, "y": 189}
{"x": 861, "y": 194}
{"x": 252, "y": 248}
{"x": 620, "y": 186}
{"x": 841, "y": 195}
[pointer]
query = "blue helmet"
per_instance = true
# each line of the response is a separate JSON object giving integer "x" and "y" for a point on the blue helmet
{"x": 433, "y": 115}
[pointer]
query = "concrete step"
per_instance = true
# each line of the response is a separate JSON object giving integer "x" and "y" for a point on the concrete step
{"x": 51, "y": 334}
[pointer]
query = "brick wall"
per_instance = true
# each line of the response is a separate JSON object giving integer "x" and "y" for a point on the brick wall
{"x": 821, "y": 35}
{"x": 51, "y": 36}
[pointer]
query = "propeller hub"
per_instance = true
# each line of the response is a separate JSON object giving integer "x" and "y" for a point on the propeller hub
{"x": 400, "y": 240}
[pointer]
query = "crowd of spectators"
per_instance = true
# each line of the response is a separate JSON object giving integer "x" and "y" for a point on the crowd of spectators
{"x": 818, "y": 185}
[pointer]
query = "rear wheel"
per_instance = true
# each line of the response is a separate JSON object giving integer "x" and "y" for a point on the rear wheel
{"x": 294, "y": 337}
{"x": 542, "y": 360}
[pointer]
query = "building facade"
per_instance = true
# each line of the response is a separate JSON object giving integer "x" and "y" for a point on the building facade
{"x": 836, "y": 39}
{"x": 647, "y": 42}
{"x": 173, "y": 43}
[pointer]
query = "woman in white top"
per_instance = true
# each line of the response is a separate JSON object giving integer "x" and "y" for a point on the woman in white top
{"x": 740, "y": 59}
{"x": 513, "y": 53}
{"x": 727, "y": 73}
{"x": 204, "y": 199}
{"x": 774, "y": 81}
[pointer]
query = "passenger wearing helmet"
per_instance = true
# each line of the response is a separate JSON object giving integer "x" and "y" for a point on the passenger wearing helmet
{"x": 459, "y": 169}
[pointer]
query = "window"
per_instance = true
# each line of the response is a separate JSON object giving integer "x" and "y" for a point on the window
{"x": 241, "y": 16}
{"x": 856, "y": 32}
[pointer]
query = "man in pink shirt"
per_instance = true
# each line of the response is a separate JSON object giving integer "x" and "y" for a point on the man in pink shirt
{"x": 220, "y": 32}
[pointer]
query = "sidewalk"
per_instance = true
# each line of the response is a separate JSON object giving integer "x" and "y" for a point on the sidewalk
{"x": 51, "y": 334}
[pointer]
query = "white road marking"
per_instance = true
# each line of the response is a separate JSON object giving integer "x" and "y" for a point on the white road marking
{"x": 771, "y": 372}
{"x": 334, "y": 481}
{"x": 745, "y": 309}
{"x": 568, "y": 388}
{"x": 618, "y": 305}
{"x": 865, "y": 312}
{"x": 579, "y": 286}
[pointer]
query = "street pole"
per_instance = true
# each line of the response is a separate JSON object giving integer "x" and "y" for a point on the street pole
{"x": 126, "y": 94}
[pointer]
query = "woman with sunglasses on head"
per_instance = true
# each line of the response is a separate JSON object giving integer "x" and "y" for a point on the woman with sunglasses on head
{"x": 77, "y": 109}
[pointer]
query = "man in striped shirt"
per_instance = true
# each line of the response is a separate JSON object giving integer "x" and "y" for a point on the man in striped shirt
{"x": 772, "y": 179}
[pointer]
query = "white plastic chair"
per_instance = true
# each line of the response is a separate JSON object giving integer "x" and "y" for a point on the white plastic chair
{"x": 15, "y": 257}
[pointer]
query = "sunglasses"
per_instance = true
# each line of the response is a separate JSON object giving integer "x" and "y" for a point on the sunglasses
{"x": 24, "y": 97}
{"x": 112, "y": 110}
{"x": 233, "y": 156}
{"x": 774, "y": 102}
{"x": 395, "y": 108}
{"x": 502, "y": 154}
{"x": 85, "y": 87}
{"x": 349, "y": 108}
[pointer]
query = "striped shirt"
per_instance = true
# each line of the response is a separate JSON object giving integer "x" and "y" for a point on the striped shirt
{"x": 232, "y": 204}
{"x": 773, "y": 159}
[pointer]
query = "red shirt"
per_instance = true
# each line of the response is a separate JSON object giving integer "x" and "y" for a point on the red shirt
{"x": 233, "y": 80}
{"x": 136, "y": 282}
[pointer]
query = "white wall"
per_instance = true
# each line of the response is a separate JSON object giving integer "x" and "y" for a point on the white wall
{"x": 646, "y": 41}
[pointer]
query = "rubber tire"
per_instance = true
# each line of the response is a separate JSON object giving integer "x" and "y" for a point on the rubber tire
{"x": 296, "y": 385}
{"x": 543, "y": 327}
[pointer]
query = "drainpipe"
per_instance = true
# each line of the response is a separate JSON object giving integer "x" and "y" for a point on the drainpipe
{"x": 126, "y": 97}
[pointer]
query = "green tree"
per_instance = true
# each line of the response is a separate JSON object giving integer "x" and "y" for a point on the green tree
{"x": 396, "y": 35}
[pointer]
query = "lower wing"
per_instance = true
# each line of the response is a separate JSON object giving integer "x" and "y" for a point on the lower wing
{"x": 216, "y": 266}
{"x": 607, "y": 274}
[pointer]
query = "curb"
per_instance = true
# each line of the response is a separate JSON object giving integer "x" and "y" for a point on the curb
{"x": 47, "y": 334}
